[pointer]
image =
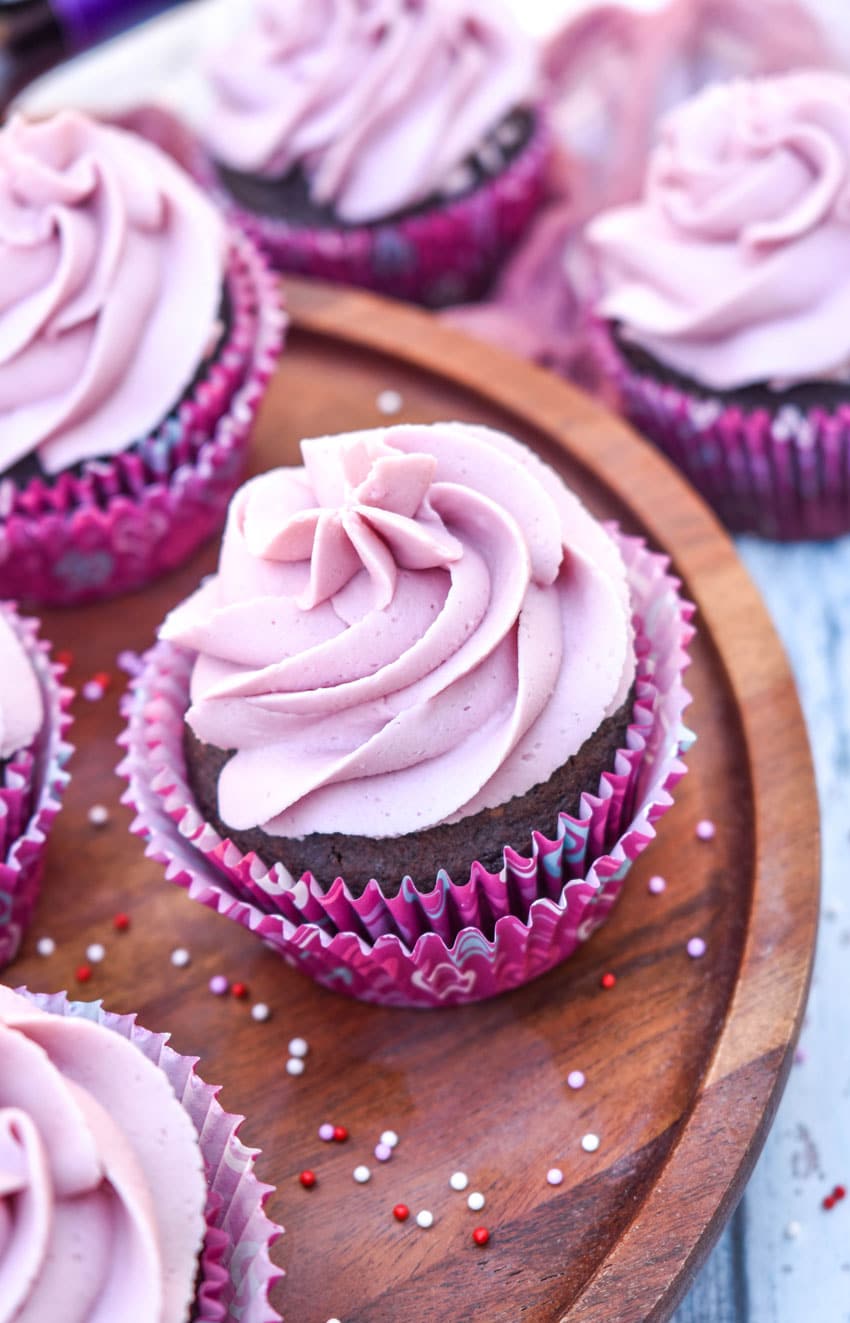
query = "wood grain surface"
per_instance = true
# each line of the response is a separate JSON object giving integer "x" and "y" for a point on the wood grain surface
{"x": 684, "y": 1058}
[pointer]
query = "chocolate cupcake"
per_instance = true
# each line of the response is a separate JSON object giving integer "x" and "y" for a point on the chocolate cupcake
{"x": 726, "y": 303}
{"x": 397, "y": 146}
{"x": 136, "y": 337}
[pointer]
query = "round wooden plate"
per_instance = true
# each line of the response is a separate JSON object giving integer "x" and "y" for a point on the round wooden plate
{"x": 684, "y": 1058}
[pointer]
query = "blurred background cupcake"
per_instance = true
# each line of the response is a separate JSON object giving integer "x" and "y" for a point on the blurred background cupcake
{"x": 136, "y": 338}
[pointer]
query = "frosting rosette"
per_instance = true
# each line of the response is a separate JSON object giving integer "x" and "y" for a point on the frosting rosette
{"x": 21, "y": 703}
{"x": 732, "y": 269}
{"x": 112, "y": 264}
{"x": 420, "y": 623}
{"x": 102, "y": 1191}
{"x": 377, "y": 100}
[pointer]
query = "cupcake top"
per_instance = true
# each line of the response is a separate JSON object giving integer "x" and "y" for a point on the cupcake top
{"x": 419, "y": 623}
{"x": 111, "y": 261}
{"x": 102, "y": 1191}
{"x": 378, "y": 100}
{"x": 21, "y": 703}
{"x": 734, "y": 268}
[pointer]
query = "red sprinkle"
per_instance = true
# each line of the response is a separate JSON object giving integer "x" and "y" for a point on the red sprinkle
{"x": 121, "y": 923}
{"x": 65, "y": 658}
{"x": 239, "y": 990}
{"x": 82, "y": 973}
{"x": 828, "y": 1202}
{"x": 307, "y": 1179}
{"x": 481, "y": 1235}
{"x": 104, "y": 679}
{"x": 340, "y": 1134}
{"x": 839, "y": 1192}
{"x": 608, "y": 980}
{"x": 401, "y": 1212}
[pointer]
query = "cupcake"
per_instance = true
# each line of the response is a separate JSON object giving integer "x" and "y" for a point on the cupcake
{"x": 127, "y": 1195}
{"x": 427, "y": 699}
{"x": 33, "y": 753}
{"x": 726, "y": 305}
{"x": 136, "y": 336}
{"x": 398, "y": 145}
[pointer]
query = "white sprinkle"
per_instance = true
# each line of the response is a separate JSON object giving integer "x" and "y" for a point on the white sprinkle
{"x": 383, "y": 1152}
{"x": 476, "y": 1201}
{"x": 390, "y": 1138}
{"x": 458, "y": 1180}
{"x": 95, "y": 952}
{"x": 260, "y": 1012}
{"x": 424, "y": 1219}
{"x": 295, "y": 1066}
{"x": 696, "y": 947}
{"x": 45, "y": 946}
{"x": 706, "y": 830}
{"x": 298, "y": 1047}
{"x": 362, "y": 1175}
{"x": 576, "y": 1079}
{"x": 792, "y": 1230}
{"x": 92, "y": 691}
{"x": 333, "y": 1320}
{"x": 180, "y": 957}
{"x": 555, "y": 1176}
{"x": 590, "y": 1143}
{"x": 656, "y": 885}
{"x": 389, "y": 401}
{"x": 98, "y": 815}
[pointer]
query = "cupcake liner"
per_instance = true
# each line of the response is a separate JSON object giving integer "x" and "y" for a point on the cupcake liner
{"x": 446, "y": 254}
{"x": 31, "y": 793}
{"x": 236, "y": 1272}
{"x": 459, "y": 942}
{"x": 784, "y": 475}
{"x": 120, "y": 522}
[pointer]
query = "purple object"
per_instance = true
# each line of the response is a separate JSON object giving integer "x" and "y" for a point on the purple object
{"x": 86, "y": 22}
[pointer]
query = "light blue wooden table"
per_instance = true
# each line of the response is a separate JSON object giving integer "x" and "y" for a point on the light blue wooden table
{"x": 783, "y": 1258}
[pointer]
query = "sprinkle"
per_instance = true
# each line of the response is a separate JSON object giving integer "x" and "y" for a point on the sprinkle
{"x": 340, "y": 1134}
{"x": 298, "y": 1047}
{"x": 389, "y": 401}
{"x": 792, "y": 1230}
{"x": 260, "y": 1012}
{"x": 219, "y": 985}
{"x": 65, "y": 658}
{"x": 95, "y": 952}
{"x": 82, "y": 973}
{"x": 696, "y": 947}
{"x": 326, "y": 1132}
{"x": 239, "y": 990}
{"x": 333, "y": 1320}
{"x": 383, "y": 1152}
{"x": 180, "y": 957}
{"x": 401, "y": 1212}
{"x": 390, "y": 1138}
{"x": 800, "y": 1055}
{"x": 92, "y": 691}
{"x": 481, "y": 1235}
{"x": 828, "y": 1202}
{"x": 475, "y": 1201}
{"x": 576, "y": 1079}
{"x": 839, "y": 1192}
{"x": 295, "y": 1066}
{"x": 130, "y": 662}
{"x": 656, "y": 885}
{"x": 45, "y": 946}
{"x": 706, "y": 830}
{"x": 103, "y": 679}
{"x": 555, "y": 1176}
{"x": 362, "y": 1174}
{"x": 424, "y": 1219}
{"x": 458, "y": 1180}
{"x": 608, "y": 980}
{"x": 590, "y": 1142}
{"x": 121, "y": 923}
{"x": 307, "y": 1179}
{"x": 98, "y": 815}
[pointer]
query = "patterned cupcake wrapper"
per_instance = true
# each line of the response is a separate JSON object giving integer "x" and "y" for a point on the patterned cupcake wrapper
{"x": 446, "y": 254}
{"x": 784, "y": 476}
{"x": 236, "y": 1272}
{"x": 31, "y": 793}
{"x": 456, "y": 943}
{"x": 122, "y": 521}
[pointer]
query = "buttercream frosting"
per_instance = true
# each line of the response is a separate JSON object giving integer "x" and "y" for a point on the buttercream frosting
{"x": 111, "y": 262}
{"x": 419, "y": 623}
{"x": 733, "y": 268}
{"x": 378, "y": 100}
{"x": 102, "y": 1191}
{"x": 21, "y": 703}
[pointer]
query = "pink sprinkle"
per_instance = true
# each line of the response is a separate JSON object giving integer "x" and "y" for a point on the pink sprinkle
{"x": 656, "y": 885}
{"x": 706, "y": 830}
{"x": 696, "y": 947}
{"x": 92, "y": 691}
{"x": 218, "y": 985}
{"x": 383, "y": 1152}
{"x": 326, "y": 1132}
{"x": 575, "y": 1079}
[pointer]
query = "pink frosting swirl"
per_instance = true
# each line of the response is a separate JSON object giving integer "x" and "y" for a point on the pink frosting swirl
{"x": 102, "y": 1191}
{"x": 378, "y": 99}
{"x": 21, "y": 703}
{"x": 733, "y": 268}
{"x": 112, "y": 265}
{"x": 420, "y": 623}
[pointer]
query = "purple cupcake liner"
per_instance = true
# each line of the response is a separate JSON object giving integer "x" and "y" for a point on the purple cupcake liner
{"x": 784, "y": 475}
{"x": 31, "y": 795}
{"x": 236, "y": 1272}
{"x": 121, "y": 522}
{"x": 445, "y": 254}
{"x": 457, "y": 943}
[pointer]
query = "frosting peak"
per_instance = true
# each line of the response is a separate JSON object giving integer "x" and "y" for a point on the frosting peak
{"x": 731, "y": 268}
{"x": 378, "y": 100}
